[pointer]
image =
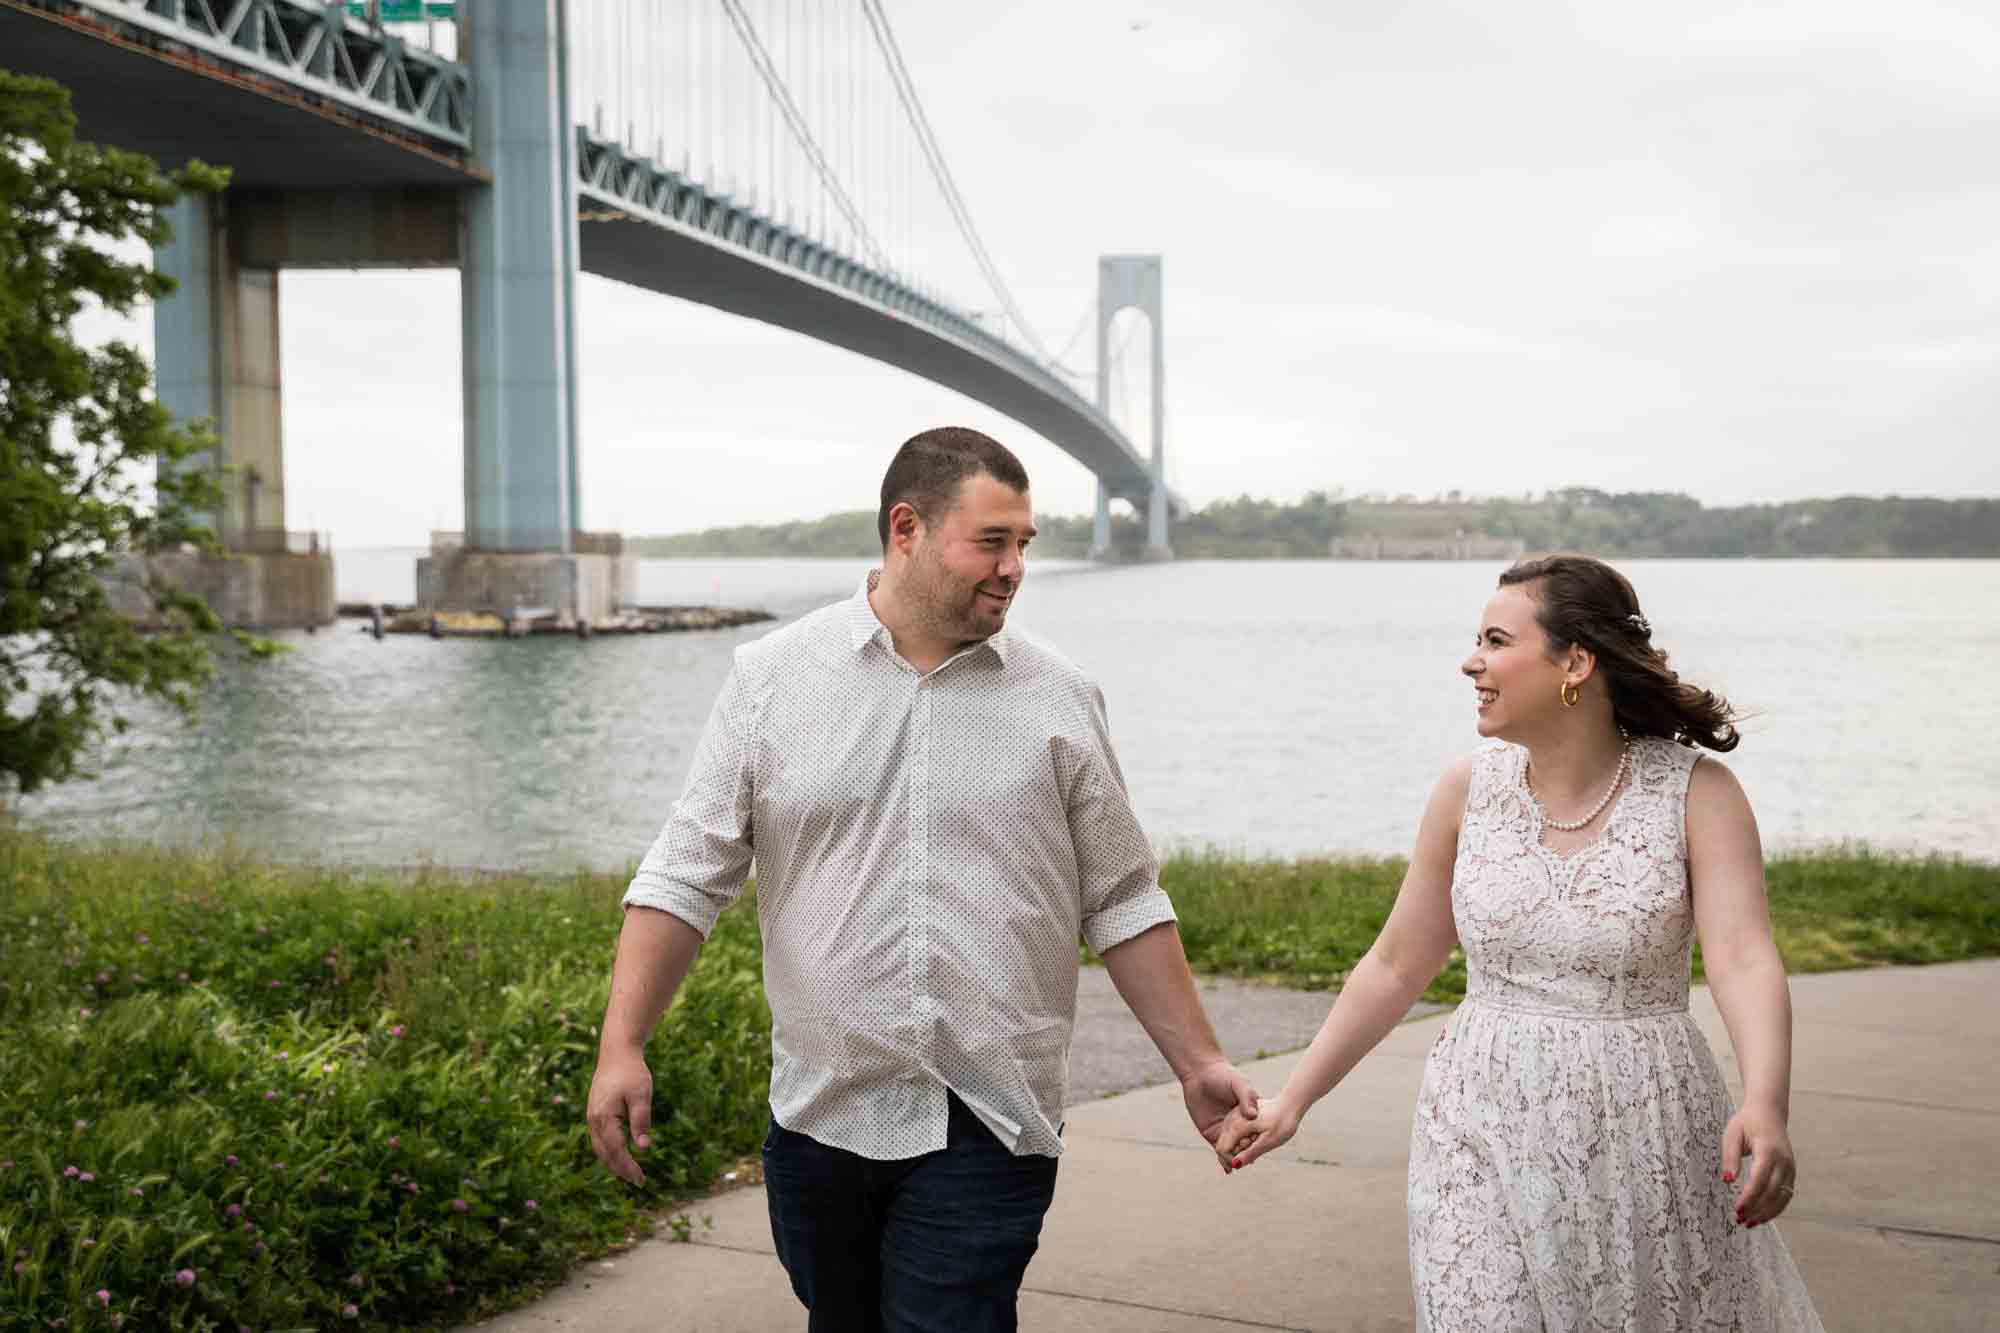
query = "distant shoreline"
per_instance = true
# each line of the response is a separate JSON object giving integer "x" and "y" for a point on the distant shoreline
{"x": 348, "y": 605}
{"x": 1634, "y": 525}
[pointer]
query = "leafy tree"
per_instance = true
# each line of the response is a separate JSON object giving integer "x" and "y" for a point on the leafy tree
{"x": 80, "y": 438}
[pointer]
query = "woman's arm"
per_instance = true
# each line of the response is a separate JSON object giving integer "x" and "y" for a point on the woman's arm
{"x": 1413, "y": 945}
{"x": 1747, "y": 979}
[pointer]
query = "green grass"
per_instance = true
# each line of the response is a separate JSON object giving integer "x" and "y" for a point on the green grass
{"x": 1297, "y": 923}
{"x": 286, "y": 1081}
{"x": 312, "y": 1089}
{"x": 1305, "y": 923}
{"x": 1853, "y": 908}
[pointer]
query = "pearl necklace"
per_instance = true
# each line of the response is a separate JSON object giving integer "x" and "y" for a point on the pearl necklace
{"x": 1624, "y": 762}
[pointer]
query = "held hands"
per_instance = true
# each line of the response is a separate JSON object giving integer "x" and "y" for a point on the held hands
{"x": 1245, "y": 1138}
{"x": 621, "y": 1092}
{"x": 1216, "y": 1094}
{"x": 1758, "y": 1132}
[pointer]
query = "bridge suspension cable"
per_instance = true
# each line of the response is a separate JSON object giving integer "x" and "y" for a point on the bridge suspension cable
{"x": 1060, "y": 361}
{"x": 804, "y": 109}
{"x": 795, "y": 121}
{"x": 885, "y": 38}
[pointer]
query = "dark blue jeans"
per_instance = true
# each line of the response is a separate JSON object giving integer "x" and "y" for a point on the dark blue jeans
{"x": 937, "y": 1242}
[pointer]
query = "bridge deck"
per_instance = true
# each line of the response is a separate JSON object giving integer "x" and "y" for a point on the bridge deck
{"x": 174, "y": 104}
{"x": 177, "y": 93}
{"x": 676, "y": 261}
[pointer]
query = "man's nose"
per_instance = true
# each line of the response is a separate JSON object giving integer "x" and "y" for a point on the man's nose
{"x": 1011, "y": 564}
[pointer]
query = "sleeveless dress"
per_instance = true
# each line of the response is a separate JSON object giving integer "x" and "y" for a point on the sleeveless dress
{"x": 1565, "y": 1162}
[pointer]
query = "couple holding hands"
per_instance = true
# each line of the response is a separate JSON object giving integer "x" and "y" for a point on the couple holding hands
{"x": 937, "y": 815}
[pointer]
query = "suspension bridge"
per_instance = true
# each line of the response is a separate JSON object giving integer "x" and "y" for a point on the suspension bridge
{"x": 768, "y": 158}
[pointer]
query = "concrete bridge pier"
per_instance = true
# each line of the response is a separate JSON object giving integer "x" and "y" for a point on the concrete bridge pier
{"x": 216, "y": 356}
{"x": 1133, "y": 282}
{"x": 1100, "y": 530}
{"x": 522, "y": 544}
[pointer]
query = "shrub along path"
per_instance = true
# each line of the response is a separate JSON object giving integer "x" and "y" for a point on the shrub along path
{"x": 238, "y": 1095}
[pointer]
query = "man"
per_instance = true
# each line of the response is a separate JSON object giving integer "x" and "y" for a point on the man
{"x": 936, "y": 815}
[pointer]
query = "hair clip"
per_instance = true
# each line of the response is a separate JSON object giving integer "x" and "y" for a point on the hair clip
{"x": 1640, "y": 623}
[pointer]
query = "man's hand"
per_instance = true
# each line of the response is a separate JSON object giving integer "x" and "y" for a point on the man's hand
{"x": 1213, "y": 1092}
{"x": 621, "y": 1093}
{"x": 655, "y": 951}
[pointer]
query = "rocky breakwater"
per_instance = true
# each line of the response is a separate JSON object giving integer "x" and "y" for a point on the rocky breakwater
{"x": 380, "y": 620}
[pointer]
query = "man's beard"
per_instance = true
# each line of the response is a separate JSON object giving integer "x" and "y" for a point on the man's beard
{"x": 945, "y": 605}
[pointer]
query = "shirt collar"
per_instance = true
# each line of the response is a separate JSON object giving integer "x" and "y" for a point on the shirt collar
{"x": 865, "y": 627}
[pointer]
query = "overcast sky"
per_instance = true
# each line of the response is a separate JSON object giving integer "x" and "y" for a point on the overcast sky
{"x": 1750, "y": 252}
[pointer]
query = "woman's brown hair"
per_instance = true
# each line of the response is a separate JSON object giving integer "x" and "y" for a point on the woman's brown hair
{"x": 1581, "y": 601}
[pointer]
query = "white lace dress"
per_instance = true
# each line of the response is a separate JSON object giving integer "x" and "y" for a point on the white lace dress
{"x": 1565, "y": 1163}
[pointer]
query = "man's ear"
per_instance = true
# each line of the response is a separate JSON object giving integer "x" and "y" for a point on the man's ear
{"x": 906, "y": 525}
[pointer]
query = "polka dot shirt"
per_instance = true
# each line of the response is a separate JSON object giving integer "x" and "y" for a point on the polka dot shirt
{"x": 928, "y": 850}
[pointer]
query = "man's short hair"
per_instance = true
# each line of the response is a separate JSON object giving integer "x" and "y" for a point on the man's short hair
{"x": 928, "y": 470}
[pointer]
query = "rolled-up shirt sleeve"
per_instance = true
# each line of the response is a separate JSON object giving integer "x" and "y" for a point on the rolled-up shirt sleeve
{"x": 1118, "y": 873}
{"x": 697, "y": 865}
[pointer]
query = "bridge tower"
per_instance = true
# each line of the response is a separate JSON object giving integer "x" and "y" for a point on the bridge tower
{"x": 523, "y": 546}
{"x": 518, "y": 284}
{"x": 1133, "y": 282}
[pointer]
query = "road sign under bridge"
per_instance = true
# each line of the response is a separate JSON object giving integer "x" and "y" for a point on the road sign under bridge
{"x": 402, "y": 11}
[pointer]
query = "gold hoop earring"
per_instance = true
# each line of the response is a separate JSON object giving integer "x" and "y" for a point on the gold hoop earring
{"x": 1571, "y": 695}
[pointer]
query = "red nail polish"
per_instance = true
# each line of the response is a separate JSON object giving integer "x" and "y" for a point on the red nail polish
{"x": 1238, "y": 1163}
{"x": 1729, "y": 1177}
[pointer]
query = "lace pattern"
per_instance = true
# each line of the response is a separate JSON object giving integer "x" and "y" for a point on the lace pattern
{"x": 1565, "y": 1156}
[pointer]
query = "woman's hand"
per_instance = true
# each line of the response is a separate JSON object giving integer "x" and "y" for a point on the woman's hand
{"x": 1246, "y": 1138}
{"x": 1758, "y": 1132}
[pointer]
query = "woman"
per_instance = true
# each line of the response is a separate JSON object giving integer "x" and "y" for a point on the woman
{"x": 1574, "y": 1162}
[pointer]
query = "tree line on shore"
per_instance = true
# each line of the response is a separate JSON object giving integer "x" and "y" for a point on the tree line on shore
{"x": 1608, "y": 523}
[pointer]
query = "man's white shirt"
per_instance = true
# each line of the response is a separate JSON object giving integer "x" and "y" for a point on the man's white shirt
{"x": 928, "y": 850}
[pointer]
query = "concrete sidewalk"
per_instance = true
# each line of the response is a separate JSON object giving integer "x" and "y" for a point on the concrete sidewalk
{"x": 1895, "y": 1116}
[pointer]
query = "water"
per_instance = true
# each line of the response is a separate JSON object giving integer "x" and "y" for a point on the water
{"x": 1258, "y": 707}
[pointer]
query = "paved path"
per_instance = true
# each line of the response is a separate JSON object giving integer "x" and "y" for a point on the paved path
{"x": 1895, "y": 1114}
{"x": 1110, "y": 1053}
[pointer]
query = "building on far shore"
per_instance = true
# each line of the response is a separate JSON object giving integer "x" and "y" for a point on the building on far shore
{"x": 1458, "y": 547}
